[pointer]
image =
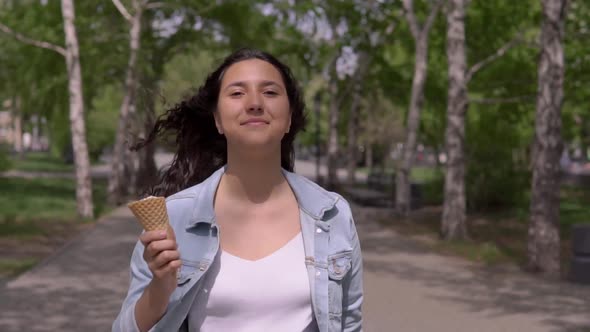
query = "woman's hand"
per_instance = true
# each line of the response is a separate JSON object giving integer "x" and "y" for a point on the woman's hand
{"x": 163, "y": 259}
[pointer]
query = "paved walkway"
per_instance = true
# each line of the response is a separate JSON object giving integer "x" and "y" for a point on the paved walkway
{"x": 407, "y": 288}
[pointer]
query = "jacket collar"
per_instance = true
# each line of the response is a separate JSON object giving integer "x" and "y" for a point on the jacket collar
{"x": 311, "y": 198}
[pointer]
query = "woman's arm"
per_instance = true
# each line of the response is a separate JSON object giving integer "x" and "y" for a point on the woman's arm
{"x": 154, "y": 263}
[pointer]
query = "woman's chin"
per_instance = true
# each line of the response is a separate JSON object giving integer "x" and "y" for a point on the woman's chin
{"x": 258, "y": 145}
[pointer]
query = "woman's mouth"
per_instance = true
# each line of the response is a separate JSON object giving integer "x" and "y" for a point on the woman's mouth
{"x": 254, "y": 122}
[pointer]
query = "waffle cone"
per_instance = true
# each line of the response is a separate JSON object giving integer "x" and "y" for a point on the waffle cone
{"x": 152, "y": 214}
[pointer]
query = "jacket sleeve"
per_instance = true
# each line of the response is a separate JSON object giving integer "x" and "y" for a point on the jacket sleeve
{"x": 140, "y": 278}
{"x": 352, "y": 288}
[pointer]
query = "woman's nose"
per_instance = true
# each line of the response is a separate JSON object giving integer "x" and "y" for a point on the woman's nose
{"x": 254, "y": 103}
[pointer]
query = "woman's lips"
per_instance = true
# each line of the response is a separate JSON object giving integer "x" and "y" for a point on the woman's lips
{"x": 254, "y": 122}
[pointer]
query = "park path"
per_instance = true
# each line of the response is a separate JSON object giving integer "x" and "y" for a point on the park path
{"x": 407, "y": 287}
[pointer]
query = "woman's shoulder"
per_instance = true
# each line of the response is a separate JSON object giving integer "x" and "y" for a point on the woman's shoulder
{"x": 328, "y": 204}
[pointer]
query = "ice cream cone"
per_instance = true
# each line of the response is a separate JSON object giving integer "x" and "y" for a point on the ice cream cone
{"x": 152, "y": 214}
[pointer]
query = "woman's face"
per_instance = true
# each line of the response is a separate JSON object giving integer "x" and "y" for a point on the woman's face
{"x": 253, "y": 106}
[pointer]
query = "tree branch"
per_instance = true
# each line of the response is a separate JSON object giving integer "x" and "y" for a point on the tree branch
{"x": 156, "y": 5}
{"x": 499, "y": 53}
{"x": 123, "y": 10}
{"x": 432, "y": 15}
{"x": 490, "y": 101}
{"x": 411, "y": 18}
{"x": 29, "y": 41}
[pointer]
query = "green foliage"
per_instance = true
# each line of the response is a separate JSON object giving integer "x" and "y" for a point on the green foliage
{"x": 485, "y": 252}
{"x": 5, "y": 162}
{"x": 13, "y": 267}
{"x": 496, "y": 177}
{"x": 41, "y": 162}
{"x": 170, "y": 64}
{"x": 26, "y": 201}
{"x": 184, "y": 73}
{"x": 102, "y": 120}
{"x": 573, "y": 207}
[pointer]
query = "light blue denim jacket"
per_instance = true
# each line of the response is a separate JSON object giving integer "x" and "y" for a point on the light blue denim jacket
{"x": 332, "y": 256}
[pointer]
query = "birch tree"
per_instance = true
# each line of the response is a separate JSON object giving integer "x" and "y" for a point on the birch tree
{"x": 543, "y": 234}
{"x": 71, "y": 54}
{"x": 420, "y": 34}
{"x": 116, "y": 182}
{"x": 453, "y": 219}
{"x": 77, "y": 124}
{"x": 453, "y": 225}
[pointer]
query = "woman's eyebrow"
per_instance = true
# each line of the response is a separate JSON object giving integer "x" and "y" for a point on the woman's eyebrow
{"x": 243, "y": 84}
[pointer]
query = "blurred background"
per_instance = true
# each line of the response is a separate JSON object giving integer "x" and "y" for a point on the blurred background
{"x": 464, "y": 121}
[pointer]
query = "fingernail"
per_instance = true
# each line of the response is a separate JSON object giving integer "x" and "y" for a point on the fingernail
{"x": 162, "y": 234}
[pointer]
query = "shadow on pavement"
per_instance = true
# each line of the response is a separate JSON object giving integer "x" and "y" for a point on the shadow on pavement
{"x": 81, "y": 288}
{"x": 561, "y": 306}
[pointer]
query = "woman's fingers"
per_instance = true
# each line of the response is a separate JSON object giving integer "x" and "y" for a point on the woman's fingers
{"x": 156, "y": 247}
{"x": 160, "y": 253}
{"x": 164, "y": 258}
{"x": 167, "y": 269}
{"x": 147, "y": 237}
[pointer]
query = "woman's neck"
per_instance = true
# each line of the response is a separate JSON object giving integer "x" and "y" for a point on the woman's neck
{"x": 253, "y": 178}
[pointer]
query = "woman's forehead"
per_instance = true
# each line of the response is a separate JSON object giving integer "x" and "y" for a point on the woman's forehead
{"x": 253, "y": 70}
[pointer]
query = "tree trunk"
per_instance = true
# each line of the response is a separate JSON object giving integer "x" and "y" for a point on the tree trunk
{"x": 147, "y": 172}
{"x": 332, "y": 178}
{"x": 543, "y": 235}
{"x": 317, "y": 105}
{"x": 116, "y": 179}
{"x": 353, "y": 119}
{"x": 35, "y": 139}
{"x": 402, "y": 190}
{"x": 128, "y": 182}
{"x": 453, "y": 218}
{"x": 353, "y": 122}
{"x": 77, "y": 121}
{"x": 369, "y": 156}
{"x": 18, "y": 126}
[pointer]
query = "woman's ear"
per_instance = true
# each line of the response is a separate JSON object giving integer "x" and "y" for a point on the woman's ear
{"x": 288, "y": 126}
{"x": 218, "y": 123}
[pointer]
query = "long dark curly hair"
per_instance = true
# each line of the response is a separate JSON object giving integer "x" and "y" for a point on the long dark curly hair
{"x": 200, "y": 149}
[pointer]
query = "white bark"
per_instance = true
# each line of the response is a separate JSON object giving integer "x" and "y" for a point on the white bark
{"x": 543, "y": 234}
{"x": 71, "y": 53}
{"x": 116, "y": 178}
{"x": 420, "y": 34}
{"x": 77, "y": 122}
{"x": 454, "y": 215}
{"x": 453, "y": 225}
{"x": 18, "y": 126}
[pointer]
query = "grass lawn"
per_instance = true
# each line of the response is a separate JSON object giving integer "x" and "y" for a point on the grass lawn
{"x": 40, "y": 162}
{"x": 37, "y": 216}
{"x": 498, "y": 237}
{"x": 417, "y": 174}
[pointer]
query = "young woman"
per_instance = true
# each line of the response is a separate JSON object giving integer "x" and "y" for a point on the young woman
{"x": 256, "y": 247}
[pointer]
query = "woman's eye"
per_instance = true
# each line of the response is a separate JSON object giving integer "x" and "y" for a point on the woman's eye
{"x": 270, "y": 93}
{"x": 236, "y": 94}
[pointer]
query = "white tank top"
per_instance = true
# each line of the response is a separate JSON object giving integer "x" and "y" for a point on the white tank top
{"x": 269, "y": 294}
